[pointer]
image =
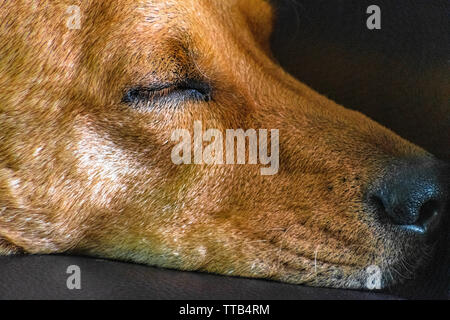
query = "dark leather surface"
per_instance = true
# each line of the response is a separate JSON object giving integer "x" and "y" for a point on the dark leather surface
{"x": 45, "y": 277}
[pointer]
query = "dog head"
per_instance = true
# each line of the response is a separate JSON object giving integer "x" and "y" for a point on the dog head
{"x": 91, "y": 96}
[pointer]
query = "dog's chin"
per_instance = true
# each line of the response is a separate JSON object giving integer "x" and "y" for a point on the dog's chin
{"x": 408, "y": 270}
{"x": 424, "y": 271}
{"x": 388, "y": 274}
{"x": 393, "y": 277}
{"x": 408, "y": 266}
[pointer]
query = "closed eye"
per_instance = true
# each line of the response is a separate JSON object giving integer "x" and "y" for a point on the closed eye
{"x": 166, "y": 93}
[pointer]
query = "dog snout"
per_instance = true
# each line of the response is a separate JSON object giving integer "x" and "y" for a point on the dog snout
{"x": 412, "y": 195}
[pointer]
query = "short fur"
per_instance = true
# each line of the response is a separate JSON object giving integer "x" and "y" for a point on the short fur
{"x": 82, "y": 172}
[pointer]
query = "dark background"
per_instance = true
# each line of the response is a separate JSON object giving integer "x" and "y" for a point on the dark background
{"x": 398, "y": 76}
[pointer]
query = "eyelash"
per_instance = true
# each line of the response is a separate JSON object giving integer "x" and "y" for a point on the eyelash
{"x": 188, "y": 90}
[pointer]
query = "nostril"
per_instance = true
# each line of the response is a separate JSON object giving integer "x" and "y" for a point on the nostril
{"x": 428, "y": 211}
{"x": 426, "y": 221}
{"x": 429, "y": 218}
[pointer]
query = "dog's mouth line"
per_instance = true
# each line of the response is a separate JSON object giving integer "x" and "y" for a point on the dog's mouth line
{"x": 393, "y": 272}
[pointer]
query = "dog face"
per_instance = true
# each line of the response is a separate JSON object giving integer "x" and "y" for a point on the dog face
{"x": 86, "y": 118}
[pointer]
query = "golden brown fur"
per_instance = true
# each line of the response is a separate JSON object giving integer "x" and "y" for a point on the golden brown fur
{"x": 82, "y": 172}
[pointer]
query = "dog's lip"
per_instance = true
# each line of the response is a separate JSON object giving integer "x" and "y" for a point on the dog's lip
{"x": 423, "y": 230}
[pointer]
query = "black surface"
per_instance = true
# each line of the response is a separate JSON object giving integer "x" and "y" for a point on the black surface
{"x": 45, "y": 277}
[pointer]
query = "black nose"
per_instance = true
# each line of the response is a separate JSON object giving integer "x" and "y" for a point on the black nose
{"x": 412, "y": 195}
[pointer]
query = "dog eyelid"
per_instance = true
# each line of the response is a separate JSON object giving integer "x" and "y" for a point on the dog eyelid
{"x": 185, "y": 90}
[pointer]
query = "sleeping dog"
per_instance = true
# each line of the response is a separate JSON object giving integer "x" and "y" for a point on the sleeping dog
{"x": 96, "y": 98}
